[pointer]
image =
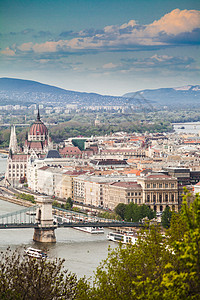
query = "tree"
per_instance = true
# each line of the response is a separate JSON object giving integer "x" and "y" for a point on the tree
{"x": 133, "y": 212}
{"x": 22, "y": 277}
{"x": 166, "y": 217}
{"x": 120, "y": 210}
{"x": 69, "y": 203}
{"x": 156, "y": 267}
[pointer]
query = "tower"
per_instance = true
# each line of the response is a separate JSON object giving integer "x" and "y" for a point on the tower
{"x": 45, "y": 230}
{"x": 13, "y": 146}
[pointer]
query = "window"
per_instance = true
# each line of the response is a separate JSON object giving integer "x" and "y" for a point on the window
{"x": 160, "y": 198}
{"x": 132, "y": 194}
{"x": 172, "y": 185}
{"x": 148, "y": 185}
{"x": 154, "y": 198}
{"x": 166, "y": 185}
{"x": 135, "y": 193}
{"x": 172, "y": 197}
{"x": 154, "y": 185}
{"x": 148, "y": 198}
{"x": 166, "y": 197}
{"x": 129, "y": 194}
{"x": 135, "y": 201}
{"x": 160, "y": 185}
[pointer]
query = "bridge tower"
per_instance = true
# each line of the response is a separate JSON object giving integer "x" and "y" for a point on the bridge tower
{"x": 44, "y": 232}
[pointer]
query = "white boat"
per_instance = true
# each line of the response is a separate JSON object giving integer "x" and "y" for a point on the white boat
{"x": 31, "y": 213}
{"x": 92, "y": 230}
{"x": 124, "y": 238}
{"x": 37, "y": 253}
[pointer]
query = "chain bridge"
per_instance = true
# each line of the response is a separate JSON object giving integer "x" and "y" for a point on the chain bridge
{"x": 26, "y": 218}
{"x": 45, "y": 218}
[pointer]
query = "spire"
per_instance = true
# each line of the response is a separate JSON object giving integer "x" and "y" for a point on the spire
{"x": 38, "y": 115}
{"x": 13, "y": 147}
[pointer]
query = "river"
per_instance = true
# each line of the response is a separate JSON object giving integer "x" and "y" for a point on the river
{"x": 190, "y": 127}
{"x": 82, "y": 251}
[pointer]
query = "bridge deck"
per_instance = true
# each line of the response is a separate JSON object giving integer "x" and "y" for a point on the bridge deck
{"x": 71, "y": 224}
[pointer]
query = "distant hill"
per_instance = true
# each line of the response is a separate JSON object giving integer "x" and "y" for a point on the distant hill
{"x": 186, "y": 95}
{"x": 25, "y": 92}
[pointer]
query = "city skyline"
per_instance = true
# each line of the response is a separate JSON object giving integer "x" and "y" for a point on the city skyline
{"x": 107, "y": 47}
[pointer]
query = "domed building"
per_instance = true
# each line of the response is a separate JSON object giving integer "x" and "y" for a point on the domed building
{"x": 38, "y": 138}
{"x": 38, "y": 131}
{"x": 36, "y": 146}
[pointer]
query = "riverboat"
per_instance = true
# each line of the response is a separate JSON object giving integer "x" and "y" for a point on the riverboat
{"x": 93, "y": 230}
{"x": 124, "y": 238}
{"x": 31, "y": 213}
{"x": 36, "y": 253}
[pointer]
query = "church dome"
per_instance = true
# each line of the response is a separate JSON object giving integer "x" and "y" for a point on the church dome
{"x": 38, "y": 130}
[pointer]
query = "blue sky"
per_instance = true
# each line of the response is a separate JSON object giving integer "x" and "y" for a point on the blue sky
{"x": 108, "y": 47}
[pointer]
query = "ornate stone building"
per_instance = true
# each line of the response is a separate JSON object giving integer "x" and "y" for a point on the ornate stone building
{"x": 159, "y": 190}
{"x": 36, "y": 146}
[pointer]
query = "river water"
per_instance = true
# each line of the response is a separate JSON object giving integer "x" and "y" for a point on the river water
{"x": 190, "y": 127}
{"x": 82, "y": 251}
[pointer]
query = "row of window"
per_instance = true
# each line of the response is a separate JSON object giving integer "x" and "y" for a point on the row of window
{"x": 136, "y": 201}
{"x": 17, "y": 166}
{"x": 16, "y": 175}
{"x": 161, "y": 198}
{"x": 134, "y": 193}
{"x": 160, "y": 185}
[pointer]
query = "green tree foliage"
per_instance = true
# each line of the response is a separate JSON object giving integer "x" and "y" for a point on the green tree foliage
{"x": 27, "y": 197}
{"x": 133, "y": 212}
{"x": 22, "y": 277}
{"x": 166, "y": 217}
{"x": 69, "y": 202}
{"x": 120, "y": 210}
{"x": 156, "y": 267}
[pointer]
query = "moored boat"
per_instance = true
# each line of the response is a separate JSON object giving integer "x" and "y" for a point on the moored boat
{"x": 92, "y": 230}
{"x": 36, "y": 253}
{"x": 124, "y": 238}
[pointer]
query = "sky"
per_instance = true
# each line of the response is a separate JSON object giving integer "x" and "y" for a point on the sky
{"x": 109, "y": 47}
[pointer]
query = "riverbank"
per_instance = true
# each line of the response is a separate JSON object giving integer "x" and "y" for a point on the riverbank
{"x": 17, "y": 201}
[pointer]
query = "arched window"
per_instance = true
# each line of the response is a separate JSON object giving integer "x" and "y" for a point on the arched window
{"x": 160, "y": 198}
{"x": 161, "y": 208}
{"x": 154, "y": 198}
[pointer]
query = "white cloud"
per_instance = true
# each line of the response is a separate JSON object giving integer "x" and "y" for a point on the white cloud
{"x": 176, "y": 22}
{"x": 8, "y": 52}
{"x": 124, "y": 37}
{"x": 109, "y": 66}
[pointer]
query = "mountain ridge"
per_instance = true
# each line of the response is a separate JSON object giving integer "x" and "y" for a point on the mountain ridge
{"x": 19, "y": 91}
